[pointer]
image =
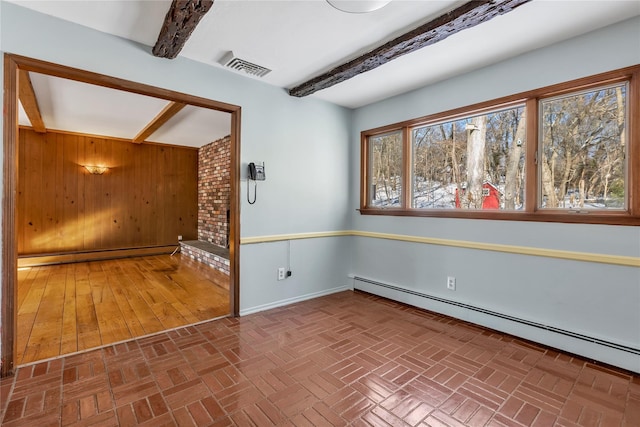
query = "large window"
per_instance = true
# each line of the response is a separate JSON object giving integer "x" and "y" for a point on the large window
{"x": 386, "y": 169}
{"x": 583, "y": 155}
{"x": 470, "y": 163}
{"x": 564, "y": 153}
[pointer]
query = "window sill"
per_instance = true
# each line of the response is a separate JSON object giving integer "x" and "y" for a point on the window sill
{"x": 609, "y": 218}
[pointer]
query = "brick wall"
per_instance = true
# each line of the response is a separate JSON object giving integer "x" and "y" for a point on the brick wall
{"x": 218, "y": 261}
{"x": 214, "y": 188}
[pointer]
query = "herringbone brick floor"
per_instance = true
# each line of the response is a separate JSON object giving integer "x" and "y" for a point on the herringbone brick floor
{"x": 345, "y": 359}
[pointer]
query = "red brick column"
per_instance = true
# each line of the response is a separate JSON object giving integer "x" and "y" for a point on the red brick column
{"x": 214, "y": 188}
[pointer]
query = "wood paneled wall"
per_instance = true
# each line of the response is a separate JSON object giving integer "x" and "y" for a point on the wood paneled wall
{"x": 147, "y": 198}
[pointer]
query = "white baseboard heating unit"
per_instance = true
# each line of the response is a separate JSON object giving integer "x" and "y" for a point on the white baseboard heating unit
{"x": 610, "y": 344}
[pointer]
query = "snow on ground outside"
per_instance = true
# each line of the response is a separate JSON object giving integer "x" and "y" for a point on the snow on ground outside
{"x": 443, "y": 197}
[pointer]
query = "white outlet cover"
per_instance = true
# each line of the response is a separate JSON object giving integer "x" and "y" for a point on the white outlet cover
{"x": 451, "y": 283}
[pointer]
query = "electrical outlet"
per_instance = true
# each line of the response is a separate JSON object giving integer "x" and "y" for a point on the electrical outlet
{"x": 179, "y": 237}
{"x": 451, "y": 283}
{"x": 281, "y": 273}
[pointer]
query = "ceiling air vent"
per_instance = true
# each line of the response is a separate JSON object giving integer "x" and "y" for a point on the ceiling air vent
{"x": 238, "y": 64}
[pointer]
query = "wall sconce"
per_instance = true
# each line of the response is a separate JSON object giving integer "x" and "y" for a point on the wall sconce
{"x": 96, "y": 170}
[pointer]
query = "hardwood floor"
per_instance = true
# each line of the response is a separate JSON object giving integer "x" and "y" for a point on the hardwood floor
{"x": 72, "y": 307}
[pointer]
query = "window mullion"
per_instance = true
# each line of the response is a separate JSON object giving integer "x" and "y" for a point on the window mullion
{"x": 531, "y": 166}
{"x": 407, "y": 170}
{"x": 365, "y": 175}
{"x": 633, "y": 141}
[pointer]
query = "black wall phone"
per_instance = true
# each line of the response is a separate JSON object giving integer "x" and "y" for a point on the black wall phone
{"x": 256, "y": 172}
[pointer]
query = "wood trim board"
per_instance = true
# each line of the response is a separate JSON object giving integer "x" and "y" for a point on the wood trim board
{"x": 621, "y": 260}
{"x": 49, "y": 259}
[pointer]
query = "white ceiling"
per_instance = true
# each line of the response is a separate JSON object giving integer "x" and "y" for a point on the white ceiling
{"x": 299, "y": 39}
{"x": 79, "y": 107}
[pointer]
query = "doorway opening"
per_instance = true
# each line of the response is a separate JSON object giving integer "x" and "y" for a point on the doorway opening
{"x": 14, "y": 66}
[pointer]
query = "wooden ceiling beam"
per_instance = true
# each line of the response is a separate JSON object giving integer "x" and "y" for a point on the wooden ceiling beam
{"x": 181, "y": 19}
{"x": 466, "y": 16}
{"x": 170, "y": 110}
{"x": 30, "y": 102}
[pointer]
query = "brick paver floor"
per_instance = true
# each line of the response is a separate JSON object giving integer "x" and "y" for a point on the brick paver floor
{"x": 344, "y": 359}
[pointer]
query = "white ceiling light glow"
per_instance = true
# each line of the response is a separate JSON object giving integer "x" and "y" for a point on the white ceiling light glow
{"x": 358, "y": 6}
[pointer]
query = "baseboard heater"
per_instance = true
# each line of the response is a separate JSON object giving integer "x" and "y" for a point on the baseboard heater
{"x": 36, "y": 260}
{"x": 599, "y": 341}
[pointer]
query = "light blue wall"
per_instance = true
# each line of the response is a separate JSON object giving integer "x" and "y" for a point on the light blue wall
{"x": 304, "y": 143}
{"x": 318, "y": 267}
{"x": 597, "y": 300}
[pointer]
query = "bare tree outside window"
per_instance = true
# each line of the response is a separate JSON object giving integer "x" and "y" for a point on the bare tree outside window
{"x": 583, "y": 149}
{"x": 471, "y": 163}
{"x": 386, "y": 169}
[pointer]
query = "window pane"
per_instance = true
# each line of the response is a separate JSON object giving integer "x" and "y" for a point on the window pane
{"x": 583, "y": 150}
{"x": 471, "y": 163}
{"x": 386, "y": 169}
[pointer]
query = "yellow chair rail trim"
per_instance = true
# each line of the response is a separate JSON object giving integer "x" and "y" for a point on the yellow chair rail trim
{"x": 627, "y": 261}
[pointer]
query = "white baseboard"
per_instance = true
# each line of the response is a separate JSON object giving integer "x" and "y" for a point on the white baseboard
{"x": 256, "y": 309}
